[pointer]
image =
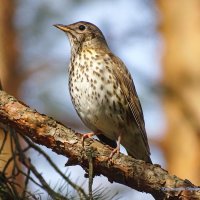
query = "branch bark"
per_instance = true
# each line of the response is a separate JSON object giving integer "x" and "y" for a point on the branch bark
{"x": 126, "y": 170}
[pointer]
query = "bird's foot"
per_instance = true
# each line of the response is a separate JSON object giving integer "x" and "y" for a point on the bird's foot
{"x": 115, "y": 151}
{"x": 86, "y": 135}
{"x": 110, "y": 159}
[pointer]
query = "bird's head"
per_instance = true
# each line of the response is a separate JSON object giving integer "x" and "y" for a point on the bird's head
{"x": 83, "y": 34}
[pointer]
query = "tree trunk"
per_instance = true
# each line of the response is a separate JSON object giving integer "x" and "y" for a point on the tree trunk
{"x": 8, "y": 62}
{"x": 180, "y": 28}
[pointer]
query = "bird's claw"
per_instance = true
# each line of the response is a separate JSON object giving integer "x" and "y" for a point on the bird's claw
{"x": 86, "y": 135}
{"x": 115, "y": 151}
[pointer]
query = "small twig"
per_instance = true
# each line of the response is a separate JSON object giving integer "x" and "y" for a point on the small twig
{"x": 45, "y": 185}
{"x": 79, "y": 190}
{"x": 4, "y": 139}
{"x": 26, "y": 183}
{"x": 89, "y": 153}
{"x": 26, "y": 162}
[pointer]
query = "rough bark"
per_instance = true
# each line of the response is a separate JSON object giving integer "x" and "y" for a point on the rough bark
{"x": 181, "y": 77}
{"x": 62, "y": 140}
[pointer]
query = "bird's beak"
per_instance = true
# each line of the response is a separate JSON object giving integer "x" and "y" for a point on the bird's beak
{"x": 62, "y": 27}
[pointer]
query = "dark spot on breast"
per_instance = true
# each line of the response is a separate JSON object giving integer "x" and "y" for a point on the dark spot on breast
{"x": 76, "y": 88}
{"x": 114, "y": 105}
{"x": 101, "y": 71}
{"x": 96, "y": 73}
{"x": 109, "y": 70}
{"x": 89, "y": 51}
{"x": 114, "y": 87}
{"x": 106, "y": 98}
{"x": 109, "y": 93}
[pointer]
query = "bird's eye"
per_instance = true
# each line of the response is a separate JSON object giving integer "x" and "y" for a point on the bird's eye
{"x": 81, "y": 27}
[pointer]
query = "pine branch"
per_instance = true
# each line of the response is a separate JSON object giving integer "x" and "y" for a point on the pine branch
{"x": 134, "y": 173}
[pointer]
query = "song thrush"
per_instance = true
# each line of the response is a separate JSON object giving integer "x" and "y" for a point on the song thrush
{"x": 103, "y": 92}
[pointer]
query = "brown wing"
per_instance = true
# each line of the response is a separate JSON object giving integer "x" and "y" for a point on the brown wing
{"x": 123, "y": 76}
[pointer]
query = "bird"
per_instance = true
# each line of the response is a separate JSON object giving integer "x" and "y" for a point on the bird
{"x": 103, "y": 92}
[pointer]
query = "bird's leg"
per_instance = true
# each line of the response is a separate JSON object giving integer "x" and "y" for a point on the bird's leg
{"x": 117, "y": 149}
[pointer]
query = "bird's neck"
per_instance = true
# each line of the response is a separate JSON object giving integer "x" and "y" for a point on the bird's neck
{"x": 81, "y": 54}
{"x": 94, "y": 44}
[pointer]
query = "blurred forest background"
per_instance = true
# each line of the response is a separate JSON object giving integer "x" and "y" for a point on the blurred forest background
{"x": 158, "y": 40}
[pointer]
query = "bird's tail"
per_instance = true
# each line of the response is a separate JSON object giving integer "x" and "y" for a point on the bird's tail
{"x": 135, "y": 146}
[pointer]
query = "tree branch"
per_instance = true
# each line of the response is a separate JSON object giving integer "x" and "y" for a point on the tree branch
{"x": 126, "y": 170}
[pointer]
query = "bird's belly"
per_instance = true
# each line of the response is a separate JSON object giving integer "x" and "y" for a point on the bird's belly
{"x": 98, "y": 104}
